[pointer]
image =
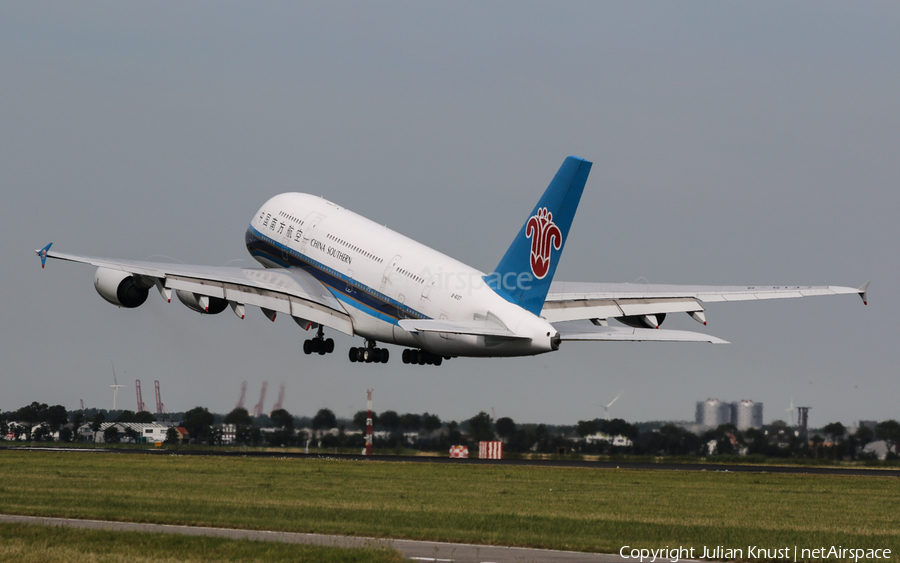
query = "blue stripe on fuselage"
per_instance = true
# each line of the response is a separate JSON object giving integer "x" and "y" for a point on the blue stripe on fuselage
{"x": 344, "y": 288}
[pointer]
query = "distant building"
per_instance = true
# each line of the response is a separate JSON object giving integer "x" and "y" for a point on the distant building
{"x": 870, "y": 424}
{"x": 747, "y": 414}
{"x": 147, "y": 432}
{"x": 183, "y": 434}
{"x": 617, "y": 440}
{"x": 879, "y": 448}
{"x": 713, "y": 413}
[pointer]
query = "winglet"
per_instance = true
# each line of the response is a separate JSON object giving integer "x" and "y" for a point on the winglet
{"x": 863, "y": 292}
{"x": 43, "y": 254}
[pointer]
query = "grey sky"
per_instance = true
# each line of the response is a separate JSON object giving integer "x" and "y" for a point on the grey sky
{"x": 732, "y": 144}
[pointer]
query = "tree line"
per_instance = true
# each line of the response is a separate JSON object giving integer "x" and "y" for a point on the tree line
{"x": 427, "y": 431}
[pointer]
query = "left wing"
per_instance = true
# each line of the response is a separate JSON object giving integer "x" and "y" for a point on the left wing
{"x": 647, "y": 304}
{"x": 290, "y": 291}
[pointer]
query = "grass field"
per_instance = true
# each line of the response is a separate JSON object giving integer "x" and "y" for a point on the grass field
{"x": 21, "y": 543}
{"x": 581, "y": 509}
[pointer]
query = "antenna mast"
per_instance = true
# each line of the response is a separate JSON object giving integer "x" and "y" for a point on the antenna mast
{"x": 369, "y": 422}
{"x": 803, "y": 421}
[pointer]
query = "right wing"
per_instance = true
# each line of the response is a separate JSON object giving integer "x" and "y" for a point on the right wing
{"x": 290, "y": 291}
{"x": 569, "y": 301}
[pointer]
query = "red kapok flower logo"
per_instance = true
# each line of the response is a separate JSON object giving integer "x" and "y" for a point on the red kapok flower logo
{"x": 544, "y": 235}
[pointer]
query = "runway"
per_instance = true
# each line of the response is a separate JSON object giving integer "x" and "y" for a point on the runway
{"x": 410, "y": 549}
{"x": 729, "y": 468}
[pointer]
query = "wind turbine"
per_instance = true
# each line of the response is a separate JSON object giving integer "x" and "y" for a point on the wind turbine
{"x": 115, "y": 386}
{"x": 790, "y": 411}
{"x": 606, "y": 408}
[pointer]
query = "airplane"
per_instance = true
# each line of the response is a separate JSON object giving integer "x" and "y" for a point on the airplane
{"x": 325, "y": 266}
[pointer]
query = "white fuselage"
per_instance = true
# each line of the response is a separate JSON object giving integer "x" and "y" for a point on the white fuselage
{"x": 381, "y": 277}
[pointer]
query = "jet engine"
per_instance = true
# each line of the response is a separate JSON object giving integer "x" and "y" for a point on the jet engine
{"x": 643, "y": 321}
{"x": 201, "y": 303}
{"x": 122, "y": 289}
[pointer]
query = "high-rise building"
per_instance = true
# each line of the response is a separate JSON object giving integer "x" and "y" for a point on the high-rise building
{"x": 747, "y": 414}
{"x": 713, "y": 412}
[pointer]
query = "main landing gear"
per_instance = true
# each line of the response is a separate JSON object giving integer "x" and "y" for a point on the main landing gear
{"x": 422, "y": 357}
{"x": 369, "y": 354}
{"x": 318, "y": 344}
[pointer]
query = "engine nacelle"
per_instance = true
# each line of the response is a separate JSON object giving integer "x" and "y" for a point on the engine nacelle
{"x": 201, "y": 303}
{"x": 122, "y": 289}
{"x": 643, "y": 321}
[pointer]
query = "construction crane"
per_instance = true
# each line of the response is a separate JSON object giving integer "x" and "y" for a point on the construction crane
{"x": 140, "y": 400}
{"x": 240, "y": 403}
{"x": 280, "y": 400}
{"x": 160, "y": 407}
{"x": 258, "y": 409}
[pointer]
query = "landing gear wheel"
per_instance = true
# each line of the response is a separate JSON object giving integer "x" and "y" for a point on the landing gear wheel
{"x": 353, "y": 355}
{"x": 385, "y": 355}
{"x": 438, "y": 360}
{"x": 318, "y": 344}
{"x": 360, "y": 355}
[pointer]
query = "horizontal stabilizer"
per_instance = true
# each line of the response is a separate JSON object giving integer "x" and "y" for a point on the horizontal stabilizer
{"x": 471, "y": 328}
{"x": 571, "y": 331}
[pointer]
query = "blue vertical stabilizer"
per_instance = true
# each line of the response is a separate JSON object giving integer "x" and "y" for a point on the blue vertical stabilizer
{"x": 524, "y": 274}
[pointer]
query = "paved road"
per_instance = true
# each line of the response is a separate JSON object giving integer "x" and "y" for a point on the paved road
{"x": 795, "y": 469}
{"x": 413, "y": 550}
